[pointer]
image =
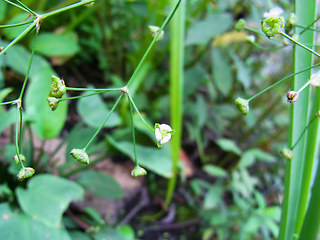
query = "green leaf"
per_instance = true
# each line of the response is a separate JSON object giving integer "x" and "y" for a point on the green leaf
{"x": 228, "y": 145}
{"x": 222, "y": 71}
{"x": 100, "y": 184}
{"x": 250, "y": 156}
{"x": 201, "y": 32}
{"x": 156, "y": 160}
{"x": 98, "y": 112}
{"x": 3, "y": 8}
{"x": 52, "y": 44}
{"x": 243, "y": 71}
{"x": 213, "y": 197}
{"x": 215, "y": 171}
{"x": 14, "y": 225}
{"x": 47, "y": 197}
{"x": 107, "y": 233}
{"x": 77, "y": 235}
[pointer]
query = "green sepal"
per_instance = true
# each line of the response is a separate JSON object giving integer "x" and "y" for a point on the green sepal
{"x": 58, "y": 87}
{"x": 138, "y": 171}
{"x": 80, "y": 155}
{"x": 243, "y": 105}
{"x": 25, "y": 173}
{"x": 16, "y": 159}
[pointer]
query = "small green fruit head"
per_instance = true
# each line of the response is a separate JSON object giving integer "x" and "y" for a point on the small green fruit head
{"x": 292, "y": 96}
{"x": 291, "y": 23}
{"x": 163, "y": 133}
{"x": 57, "y": 88}
{"x": 16, "y": 159}
{"x": 243, "y": 105}
{"x": 53, "y": 102}
{"x": 239, "y": 26}
{"x": 80, "y": 155}
{"x": 25, "y": 173}
{"x": 138, "y": 171}
{"x": 287, "y": 154}
{"x": 154, "y": 31}
{"x": 272, "y": 26}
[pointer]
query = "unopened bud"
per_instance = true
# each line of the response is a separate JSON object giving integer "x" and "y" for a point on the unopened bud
{"x": 287, "y": 154}
{"x": 138, "y": 171}
{"x": 292, "y": 96}
{"x": 57, "y": 88}
{"x": 272, "y": 26}
{"x": 291, "y": 22}
{"x": 53, "y": 103}
{"x": 80, "y": 155}
{"x": 16, "y": 158}
{"x": 1, "y": 48}
{"x": 239, "y": 26}
{"x": 243, "y": 105}
{"x": 154, "y": 31}
{"x": 25, "y": 173}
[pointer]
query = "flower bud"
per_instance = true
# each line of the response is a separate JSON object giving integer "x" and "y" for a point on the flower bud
{"x": 57, "y": 88}
{"x": 154, "y": 31}
{"x": 1, "y": 48}
{"x": 315, "y": 79}
{"x": 53, "y": 103}
{"x": 243, "y": 105}
{"x": 272, "y": 26}
{"x": 25, "y": 173}
{"x": 291, "y": 22}
{"x": 80, "y": 155}
{"x": 287, "y": 154}
{"x": 138, "y": 171}
{"x": 292, "y": 96}
{"x": 239, "y": 26}
{"x": 16, "y": 159}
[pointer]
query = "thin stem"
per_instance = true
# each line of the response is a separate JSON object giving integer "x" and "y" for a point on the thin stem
{"x": 303, "y": 132}
{"x": 16, "y": 24}
{"x": 299, "y": 44}
{"x": 253, "y": 30}
{"x": 104, "y": 122}
{"x": 310, "y": 25}
{"x": 281, "y": 80}
{"x": 18, "y": 149}
{"x": 135, "y": 107}
{"x": 93, "y": 89}
{"x": 60, "y": 10}
{"x": 133, "y": 133}
{"x": 28, "y": 9}
{"x": 20, "y": 129}
{"x": 9, "y": 102}
{"x": 153, "y": 42}
{"x": 29, "y": 67}
{"x": 304, "y": 86}
{"x": 77, "y": 97}
{"x": 308, "y": 28}
{"x": 14, "y": 41}
{"x": 16, "y": 5}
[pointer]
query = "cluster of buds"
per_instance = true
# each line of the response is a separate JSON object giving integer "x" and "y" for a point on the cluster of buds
{"x": 57, "y": 90}
{"x": 272, "y": 26}
{"x": 80, "y": 155}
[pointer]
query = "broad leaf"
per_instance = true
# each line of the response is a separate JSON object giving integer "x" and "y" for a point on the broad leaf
{"x": 47, "y": 197}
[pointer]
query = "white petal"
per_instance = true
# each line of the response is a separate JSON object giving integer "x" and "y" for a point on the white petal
{"x": 315, "y": 79}
{"x": 158, "y": 134}
{"x": 274, "y": 12}
{"x": 165, "y": 127}
{"x": 165, "y": 138}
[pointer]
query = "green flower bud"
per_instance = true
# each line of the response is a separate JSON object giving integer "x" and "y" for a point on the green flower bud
{"x": 291, "y": 22}
{"x": 154, "y": 31}
{"x": 292, "y": 96}
{"x": 57, "y": 88}
{"x": 53, "y": 103}
{"x": 243, "y": 105}
{"x": 239, "y": 26}
{"x": 138, "y": 171}
{"x": 272, "y": 26}
{"x": 80, "y": 155}
{"x": 287, "y": 154}
{"x": 25, "y": 173}
{"x": 16, "y": 159}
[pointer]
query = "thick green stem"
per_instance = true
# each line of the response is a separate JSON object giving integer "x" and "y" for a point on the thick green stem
{"x": 177, "y": 29}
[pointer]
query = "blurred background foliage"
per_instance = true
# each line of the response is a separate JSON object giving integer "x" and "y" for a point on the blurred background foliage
{"x": 231, "y": 173}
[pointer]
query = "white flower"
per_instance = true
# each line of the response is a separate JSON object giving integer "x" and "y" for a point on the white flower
{"x": 251, "y": 38}
{"x": 274, "y": 12}
{"x": 163, "y": 133}
{"x": 315, "y": 79}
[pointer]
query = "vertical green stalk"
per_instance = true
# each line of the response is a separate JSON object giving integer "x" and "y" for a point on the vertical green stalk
{"x": 177, "y": 28}
{"x": 298, "y": 170}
